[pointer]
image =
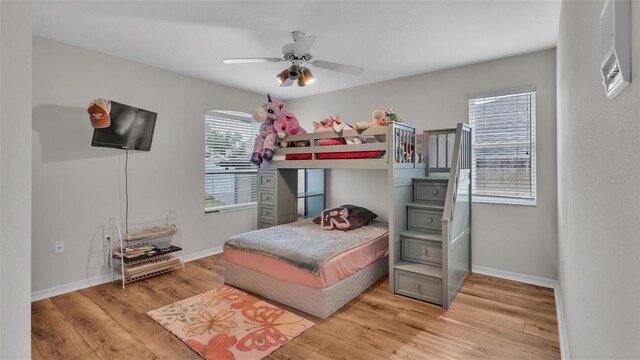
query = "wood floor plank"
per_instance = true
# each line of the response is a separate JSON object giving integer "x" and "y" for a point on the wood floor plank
{"x": 116, "y": 304}
{"x": 490, "y": 319}
{"x": 518, "y": 338}
{"x": 476, "y": 312}
{"x": 35, "y": 353}
{"x": 426, "y": 342}
{"x": 522, "y": 312}
{"x": 317, "y": 356}
{"x": 99, "y": 330}
{"x": 543, "y": 330}
{"x": 510, "y": 283}
{"x": 541, "y": 306}
{"x": 375, "y": 341}
{"x": 485, "y": 344}
{"x": 511, "y": 291}
{"x": 54, "y": 336}
{"x": 341, "y": 350}
{"x": 294, "y": 350}
{"x": 170, "y": 350}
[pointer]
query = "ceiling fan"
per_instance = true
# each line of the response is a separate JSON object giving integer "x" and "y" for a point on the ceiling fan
{"x": 298, "y": 54}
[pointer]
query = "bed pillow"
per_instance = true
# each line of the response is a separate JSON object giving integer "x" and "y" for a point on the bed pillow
{"x": 336, "y": 218}
{"x": 357, "y": 216}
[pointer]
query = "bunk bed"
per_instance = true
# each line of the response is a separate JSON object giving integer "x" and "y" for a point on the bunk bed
{"x": 395, "y": 148}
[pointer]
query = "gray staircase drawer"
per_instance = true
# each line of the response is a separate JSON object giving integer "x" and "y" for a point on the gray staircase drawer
{"x": 425, "y": 219}
{"x": 267, "y": 198}
{"x": 266, "y": 213}
{"x": 425, "y": 252}
{"x": 418, "y": 286}
{"x": 264, "y": 224}
{"x": 429, "y": 191}
{"x": 267, "y": 180}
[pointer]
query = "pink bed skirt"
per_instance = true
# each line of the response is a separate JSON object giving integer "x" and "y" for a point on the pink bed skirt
{"x": 336, "y": 269}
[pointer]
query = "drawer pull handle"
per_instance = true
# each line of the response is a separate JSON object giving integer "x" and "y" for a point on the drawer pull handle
{"x": 435, "y": 192}
{"x": 425, "y": 252}
{"x": 267, "y": 198}
{"x": 416, "y": 286}
{"x": 430, "y": 220}
{"x": 267, "y": 213}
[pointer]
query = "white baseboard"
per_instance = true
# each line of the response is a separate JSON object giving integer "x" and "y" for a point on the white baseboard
{"x": 70, "y": 287}
{"x": 527, "y": 279}
{"x": 203, "y": 254}
{"x": 562, "y": 329}
{"x": 535, "y": 280}
{"x": 101, "y": 279}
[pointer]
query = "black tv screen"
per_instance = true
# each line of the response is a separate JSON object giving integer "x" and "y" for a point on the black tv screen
{"x": 131, "y": 128}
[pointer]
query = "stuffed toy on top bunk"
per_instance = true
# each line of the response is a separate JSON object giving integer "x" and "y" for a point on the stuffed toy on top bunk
{"x": 287, "y": 124}
{"x": 335, "y": 124}
{"x": 265, "y": 141}
{"x": 378, "y": 118}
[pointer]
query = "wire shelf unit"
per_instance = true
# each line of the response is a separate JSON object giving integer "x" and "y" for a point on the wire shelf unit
{"x": 147, "y": 265}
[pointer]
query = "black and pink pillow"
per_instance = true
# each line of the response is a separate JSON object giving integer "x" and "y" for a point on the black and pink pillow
{"x": 345, "y": 217}
{"x": 335, "y": 219}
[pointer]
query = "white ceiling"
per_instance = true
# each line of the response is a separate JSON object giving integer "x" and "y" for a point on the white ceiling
{"x": 388, "y": 39}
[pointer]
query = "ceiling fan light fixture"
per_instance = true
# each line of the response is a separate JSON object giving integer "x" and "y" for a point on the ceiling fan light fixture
{"x": 294, "y": 72}
{"x": 301, "y": 79}
{"x": 308, "y": 76}
{"x": 283, "y": 76}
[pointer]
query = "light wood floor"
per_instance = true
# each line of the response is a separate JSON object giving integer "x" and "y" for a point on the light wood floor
{"x": 490, "y": 318}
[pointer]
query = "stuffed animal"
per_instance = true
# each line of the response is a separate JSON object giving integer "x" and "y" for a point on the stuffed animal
{"x": 378, "y": 118}
{"x": 266, "y": 115}
{"x": 389, "y": 117}
{"x": 287, "y": 124}
{"x": 338, "y": 126}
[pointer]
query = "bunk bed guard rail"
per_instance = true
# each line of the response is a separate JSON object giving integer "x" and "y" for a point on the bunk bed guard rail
{"x": 398, "y": 141}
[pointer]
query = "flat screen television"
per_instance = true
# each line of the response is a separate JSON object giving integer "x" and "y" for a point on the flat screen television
{"x": 131, "y": 128}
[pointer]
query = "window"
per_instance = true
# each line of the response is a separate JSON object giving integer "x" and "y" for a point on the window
{"x": 504, "y": 146}
{"x": 230, "y": 179}
{"x": 310, "y": 192}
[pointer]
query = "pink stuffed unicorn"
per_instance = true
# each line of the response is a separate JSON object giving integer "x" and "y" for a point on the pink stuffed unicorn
{"x": 267, "y": 114}
{"x": 287, "y": 124}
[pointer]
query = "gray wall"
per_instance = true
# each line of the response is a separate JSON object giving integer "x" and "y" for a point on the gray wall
{"x": 598, "y": 192}
{"x": 76, "y": 188}
{"x": 15, "y": 180}
{"x": 520, "y": 239}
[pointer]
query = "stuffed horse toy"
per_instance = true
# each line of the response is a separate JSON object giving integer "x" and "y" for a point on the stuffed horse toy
{"x": 287, "y": 124}
{"x": 265, "y": 142}
{"x": 338, "y": 126}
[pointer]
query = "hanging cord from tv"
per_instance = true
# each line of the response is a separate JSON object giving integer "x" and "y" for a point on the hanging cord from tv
{"x": 126, "y": 191}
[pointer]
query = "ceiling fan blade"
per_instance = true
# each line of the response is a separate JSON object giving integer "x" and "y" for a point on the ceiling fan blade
{"x": 287, "y": 82}
{"x": 250, "y": 60}
{"x": 347, "y": 69}
{"x": 303, "y": 45}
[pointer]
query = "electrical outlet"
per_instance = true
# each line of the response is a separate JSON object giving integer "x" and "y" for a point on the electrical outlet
{"x": 107, "y": 240}
{"x": 58, "y": 247}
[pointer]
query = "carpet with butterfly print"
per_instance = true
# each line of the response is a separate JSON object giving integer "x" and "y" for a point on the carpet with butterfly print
{"x": 226, "y": 323}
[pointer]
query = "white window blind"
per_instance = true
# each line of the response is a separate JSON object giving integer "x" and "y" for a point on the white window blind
{"x": 504, "y": 146}
{"x": 230, "y": 179}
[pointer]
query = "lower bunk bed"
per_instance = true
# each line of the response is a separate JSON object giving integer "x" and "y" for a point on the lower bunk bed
{"x": 302, "y": 266}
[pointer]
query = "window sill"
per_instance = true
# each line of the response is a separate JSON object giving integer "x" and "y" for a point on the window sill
{"x": 230, "y": 208}
{"x": 503, "y": 201}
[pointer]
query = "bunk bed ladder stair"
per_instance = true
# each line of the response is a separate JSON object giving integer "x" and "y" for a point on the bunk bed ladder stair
{"x": 438, "y": 229}
{"x": 419, "y": 272}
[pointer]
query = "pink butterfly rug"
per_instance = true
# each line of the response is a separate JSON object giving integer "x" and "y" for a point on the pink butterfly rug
{"x": 226, "y": 324}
